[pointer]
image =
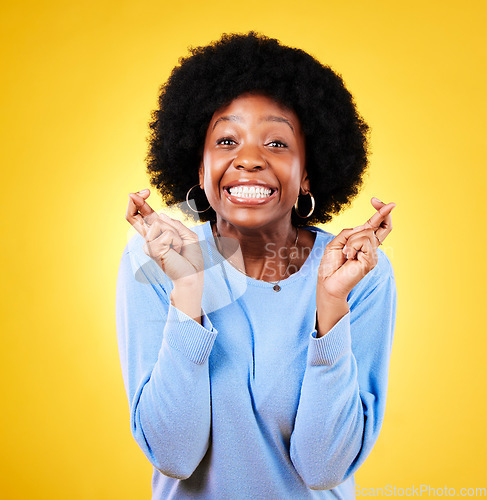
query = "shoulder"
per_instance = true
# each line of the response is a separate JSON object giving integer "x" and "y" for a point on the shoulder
{"x": 322, "y": 237}
{"x": 382, "y": 271}
{"x": 379, "y": 282}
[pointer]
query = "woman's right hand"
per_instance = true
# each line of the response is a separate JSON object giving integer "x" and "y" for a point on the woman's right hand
{"x": 173, "y": 246}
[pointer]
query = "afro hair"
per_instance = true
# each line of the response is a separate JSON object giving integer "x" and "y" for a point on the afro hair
{"x": 213, "y": 75}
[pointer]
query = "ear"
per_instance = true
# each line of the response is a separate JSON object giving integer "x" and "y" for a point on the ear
{"x": 305, "y": 185}
{"x": 201, "y": 175}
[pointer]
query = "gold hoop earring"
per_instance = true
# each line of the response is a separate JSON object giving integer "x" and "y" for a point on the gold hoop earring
{"x": 312, "y": 206}
{"x": 187, "y": 201}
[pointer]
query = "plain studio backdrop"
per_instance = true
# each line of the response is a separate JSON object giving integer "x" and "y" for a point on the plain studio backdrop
{"x": 78, "y": 83}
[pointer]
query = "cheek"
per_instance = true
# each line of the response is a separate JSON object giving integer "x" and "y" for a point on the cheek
{"x": 212, "y": 160}
{"x": 212, "y": 173}
{"x": 291, "y": 174}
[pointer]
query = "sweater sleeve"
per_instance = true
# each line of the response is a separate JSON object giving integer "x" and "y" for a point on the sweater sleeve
{"x": 164, "y": 357}
{"x": 343, "y": 395}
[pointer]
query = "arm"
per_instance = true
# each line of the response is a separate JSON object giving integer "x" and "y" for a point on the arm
{"x": 164, "y": 357}
{"x": 343, "y": 395}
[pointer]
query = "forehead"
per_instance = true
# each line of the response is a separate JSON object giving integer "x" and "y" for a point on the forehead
{"x": 255, "y": 107}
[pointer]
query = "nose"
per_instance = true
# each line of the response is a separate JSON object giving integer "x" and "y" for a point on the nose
{"x": 249, "y": 158}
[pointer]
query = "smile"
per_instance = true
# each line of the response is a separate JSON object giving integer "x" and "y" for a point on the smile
{"x": 250, "y": 195}
{"x": 250, "y": 191}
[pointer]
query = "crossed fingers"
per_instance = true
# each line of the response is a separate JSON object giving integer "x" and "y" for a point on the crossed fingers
{"x": 367, "y": 237}
{"x": 380, "y": 222}
{"x": 146, "y": 221}
{"x": 160, "y": 231}
{"x": 139, "y": 212}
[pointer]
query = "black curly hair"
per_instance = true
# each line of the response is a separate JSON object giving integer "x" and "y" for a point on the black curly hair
{"x": 212, "y": 76}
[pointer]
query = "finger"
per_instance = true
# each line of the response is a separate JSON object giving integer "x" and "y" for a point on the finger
{"x": 149, "y": 247}
{"x": 379, "y": 239}
{"x": 160, "y": 241}
{"x": 341, "y": 239}
{"x": 385, "y": 228}
{"x": 164, "y": 235}
{"x": 376, "y": 221}
{"x": 386, "y": 225}
{"x": 333, "y": 257}
{"x": 386, "y": 222}
{"x": 136, "y": 201}
{"x": 367, "y": 254}
{"x": 359, "y": 228}
{"x": 356, "y": 242}
{"x": 144, "y": 193}
{"x": 170, "y": 239}
{"x": 185, "y": 233}
{"x": 143, "y": 208}
{"x": 355, "y": 269}
{"x": 134, "y": 218}
{"x": 366, "y": 257}
{"x": 376, "y": 203}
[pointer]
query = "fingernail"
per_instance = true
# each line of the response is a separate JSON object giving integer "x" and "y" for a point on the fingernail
{"x": 378, "y": 200}
{"x": 143, "y": 191}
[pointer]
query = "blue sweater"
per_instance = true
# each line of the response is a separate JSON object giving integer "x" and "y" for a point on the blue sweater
{"x": 250, "y": 404}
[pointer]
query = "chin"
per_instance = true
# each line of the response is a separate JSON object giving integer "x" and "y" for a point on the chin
{"x": 249, "y": 219}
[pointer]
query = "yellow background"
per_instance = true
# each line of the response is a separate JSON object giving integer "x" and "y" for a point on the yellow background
{"x": 78, "y": 82}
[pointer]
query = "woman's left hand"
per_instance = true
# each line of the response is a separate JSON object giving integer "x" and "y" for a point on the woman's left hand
{"x": 353, "y": 253}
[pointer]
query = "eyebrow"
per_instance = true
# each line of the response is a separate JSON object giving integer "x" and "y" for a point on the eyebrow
{"x": 273, "y": 118}
{"x": 270, "y": 118}
{"x": 228, "y": 118}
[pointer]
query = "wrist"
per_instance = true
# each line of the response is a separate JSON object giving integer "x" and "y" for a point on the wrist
{"x": 188, "y": 300}
{"x": 323, "y": 296}
{"x": 329, "y": 311}
{"x": 190, "y": 282}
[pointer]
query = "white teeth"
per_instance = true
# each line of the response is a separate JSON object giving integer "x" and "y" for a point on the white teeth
{"x": 250, "y": 191}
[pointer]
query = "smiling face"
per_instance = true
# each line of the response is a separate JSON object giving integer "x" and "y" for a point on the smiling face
{"x": 253, "y": 164}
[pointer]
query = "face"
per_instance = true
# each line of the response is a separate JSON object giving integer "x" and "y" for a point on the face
{"x": 253, "y": 165}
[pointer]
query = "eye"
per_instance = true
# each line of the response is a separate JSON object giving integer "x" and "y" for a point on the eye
{"x": 225, "y": 141}
{"x": 277, "y": 144}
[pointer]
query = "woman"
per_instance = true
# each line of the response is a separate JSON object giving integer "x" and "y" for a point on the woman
{"x": 255, "y": 348}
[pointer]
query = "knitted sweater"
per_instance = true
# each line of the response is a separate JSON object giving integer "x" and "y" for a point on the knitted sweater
{"x": 250, "y": 404}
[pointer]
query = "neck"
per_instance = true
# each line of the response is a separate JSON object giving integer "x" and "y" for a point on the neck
{"x": 265, "y": 253}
